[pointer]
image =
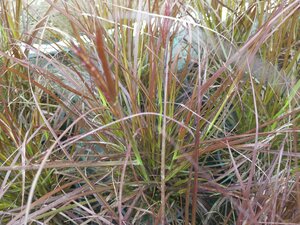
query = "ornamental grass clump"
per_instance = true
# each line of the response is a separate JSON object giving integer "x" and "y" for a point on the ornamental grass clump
{"x": 149, "y": 112}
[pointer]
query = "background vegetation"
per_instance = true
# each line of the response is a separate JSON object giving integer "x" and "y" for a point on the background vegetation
{"x": 152, "y": 112}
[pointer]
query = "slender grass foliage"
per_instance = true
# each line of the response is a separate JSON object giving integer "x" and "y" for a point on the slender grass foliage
{"x": 149, "y": 112}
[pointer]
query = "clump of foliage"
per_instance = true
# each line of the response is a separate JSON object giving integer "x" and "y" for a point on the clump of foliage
{"x": 150, "y": 112}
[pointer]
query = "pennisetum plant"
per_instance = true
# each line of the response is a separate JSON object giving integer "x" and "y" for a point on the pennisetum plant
{"x": 149, "y": 112}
